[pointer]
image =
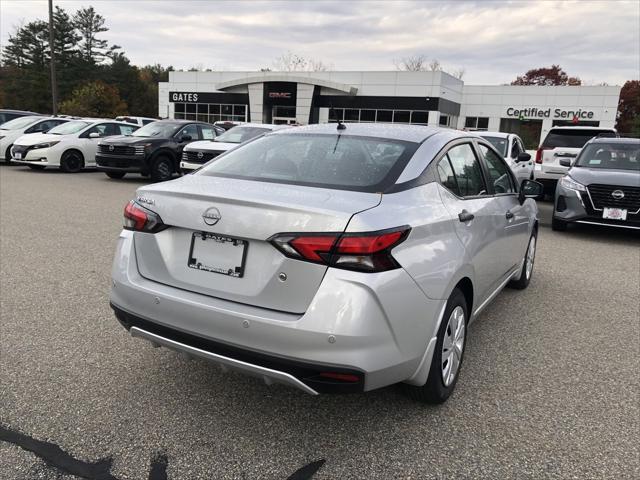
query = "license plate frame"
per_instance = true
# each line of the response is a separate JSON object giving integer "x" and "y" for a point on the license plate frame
{"x": 204, "y": 263}
{"x": 611, "y": 213}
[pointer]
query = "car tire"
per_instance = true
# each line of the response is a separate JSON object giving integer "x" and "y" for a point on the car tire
{"x": 7, "y": 155}
{"x": 527, "y": 265}
{"x": 558, "y": 225}
{"x": 161, "y": 169}
{"x": 115, "y": 175}
{"x": 36, "y": 167}
{"x": 72, "y": 161}
{"x": 452, "y": 335}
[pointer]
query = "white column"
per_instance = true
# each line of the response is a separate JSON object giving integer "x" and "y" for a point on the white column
{"x": 256, "y": 99}
{"x": 304, "y": 96}
{"x": 494, "y": 124}
{"x": 323, "y": 116}
{"x": 434, "y": 118}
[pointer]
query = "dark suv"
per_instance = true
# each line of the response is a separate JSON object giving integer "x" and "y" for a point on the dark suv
{"x": 154, "y": 149}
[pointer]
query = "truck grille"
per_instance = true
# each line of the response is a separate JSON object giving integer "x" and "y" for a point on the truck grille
{"x": 120, "y": 150}
{"x": 601, "y": 197}
{"x": 199, "y": 157}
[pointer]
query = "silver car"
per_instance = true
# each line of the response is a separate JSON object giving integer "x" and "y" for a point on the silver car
{"x": 332, "y": 258}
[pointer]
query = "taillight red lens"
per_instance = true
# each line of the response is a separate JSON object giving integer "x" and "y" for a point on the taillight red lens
{"x": 367, "y": 252}
{"x": 140, "y": 219}
{"x": 539, "y": 155}
{"x": 343, "y": 377}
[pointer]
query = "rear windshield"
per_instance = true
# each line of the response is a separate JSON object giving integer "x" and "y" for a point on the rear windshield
{"x": 615, "y": 156}
{"x": 329, "y": 161}
{"x": 241, "y": 134}
{"x": 571, "y": 138}
{"x": 501, "y": 144}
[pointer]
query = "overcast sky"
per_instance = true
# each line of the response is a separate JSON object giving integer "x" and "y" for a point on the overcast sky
{"x": 599, "y": 41}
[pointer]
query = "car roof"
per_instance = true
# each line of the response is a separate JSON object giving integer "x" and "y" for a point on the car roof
{"x": 270, "y": 126}
{"x": 604, "y": 129}
{"x": 615, "y": 140}
{"x": 8, "y": 110}
{"x": 408, "y": 133}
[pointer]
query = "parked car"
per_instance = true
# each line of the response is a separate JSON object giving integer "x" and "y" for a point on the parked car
{"x": 562, "y": 143}
{"x": 332, "y": 258}
{"x": 602, "y": 186}
{"x": 227, "y": 124}
{"x": 70, "y": 146}
{"x": 139, "y": 121}
{"x": 511, "y": 147}
{"x": 197, "y": 154}
{"x": 153, "y": 150}
{"x": 6, "y": 115}
{"x": 13, "y": 129}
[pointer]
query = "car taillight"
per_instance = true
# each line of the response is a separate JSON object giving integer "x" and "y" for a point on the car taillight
{"x": 140, "y": 219}
{"x": 539, "y": 154}
{"x": 366, "y": 252}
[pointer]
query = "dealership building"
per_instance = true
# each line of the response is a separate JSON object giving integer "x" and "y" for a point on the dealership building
{"x": 424, "y": 98}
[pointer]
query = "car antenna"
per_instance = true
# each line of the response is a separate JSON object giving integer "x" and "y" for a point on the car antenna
{"x": 341, "y": 126}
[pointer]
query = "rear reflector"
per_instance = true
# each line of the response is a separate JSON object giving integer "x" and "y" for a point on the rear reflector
{"x": 343, "y": 377}
{"x": 368, "y": 252}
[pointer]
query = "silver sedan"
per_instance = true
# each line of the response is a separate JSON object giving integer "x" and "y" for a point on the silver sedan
{"x": 332, "y": 258}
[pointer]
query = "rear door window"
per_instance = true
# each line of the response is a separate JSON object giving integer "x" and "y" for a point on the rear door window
{"x": 127, "y": 129}
{"x": 499, "y": 172}
{"x": 571, "y": 138}
{"x": 208, "y": 133}
{"x": 467, "y": 171}
{"x": 191, "y": 131}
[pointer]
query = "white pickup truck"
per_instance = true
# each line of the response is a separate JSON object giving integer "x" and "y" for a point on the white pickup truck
{"x": 562, "y": 143}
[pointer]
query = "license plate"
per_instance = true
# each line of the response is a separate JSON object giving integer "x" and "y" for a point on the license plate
{"x": 217, "y": 254}
{"x": 614, "y": 213}
{"x": 17, "y": 156}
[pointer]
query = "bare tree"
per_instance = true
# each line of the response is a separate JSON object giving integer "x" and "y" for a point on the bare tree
{"x": 434, "y": 65}
{"x": 292, "y": 62}
{"x": 459, "y": 73}
{"x": 412, "y": 63}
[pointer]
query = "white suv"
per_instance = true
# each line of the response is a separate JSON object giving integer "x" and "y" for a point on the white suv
{"x": 562, "y": 143}
{"x": 511, "y": 147}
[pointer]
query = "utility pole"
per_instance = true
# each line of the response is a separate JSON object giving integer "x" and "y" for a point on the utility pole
{"x": 54, "y": 86}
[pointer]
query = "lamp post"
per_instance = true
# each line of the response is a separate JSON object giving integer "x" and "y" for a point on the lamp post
{"x": 54, "y": 86}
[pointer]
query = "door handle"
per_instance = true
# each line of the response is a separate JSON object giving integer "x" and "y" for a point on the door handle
{"x": 465, "y": 216}
{"x": 509, "y": 215}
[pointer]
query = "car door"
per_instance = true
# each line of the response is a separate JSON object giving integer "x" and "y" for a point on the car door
{"x": 89, "y": 144}
{"x": 468, "y": 200}
{"x": 192, "y": 130}
{"x": 509, "y": 212}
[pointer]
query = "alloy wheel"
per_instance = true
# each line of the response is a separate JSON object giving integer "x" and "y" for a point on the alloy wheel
{"x": 452, "y": 346}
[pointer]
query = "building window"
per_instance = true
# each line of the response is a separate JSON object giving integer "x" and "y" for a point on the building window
{"x": 210, "y": 112}
{"x": 444, "y": 120}
{"x": 365, "y": 115}
{"x": 476, "y": 123}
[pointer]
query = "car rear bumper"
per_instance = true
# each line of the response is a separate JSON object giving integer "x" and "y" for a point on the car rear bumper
{"x": 348, "y": 328}
{"x": 571, "y": 206}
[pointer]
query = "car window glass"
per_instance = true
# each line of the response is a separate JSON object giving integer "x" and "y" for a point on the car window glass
{"x": 208, "y": 133}
{"x": 145, "y": 122}
{"x": 190, "y": 130}
{"x": 515, "y": 149}
{"x": 447, "y": 177}
{"x": 126, "y": 129}
{"x": 467, "y": 171}
{"x": 499, "y": 173}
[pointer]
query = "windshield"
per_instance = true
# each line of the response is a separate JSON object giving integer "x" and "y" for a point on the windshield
{"x": 157, "y": 129}
{"x": 571, "y": 138}
{"x": 615, "y": 156}
{"x": 329, "y": 161}
{"x": 19, "y": 122}
{"x": 240, "y": 134}
{"x": 501, "y": 144}
{"x": 69, "y": 127}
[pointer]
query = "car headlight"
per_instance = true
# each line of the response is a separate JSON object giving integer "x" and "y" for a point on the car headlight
{"x": 571, "y": 184}
{"x": 45, "y": 145}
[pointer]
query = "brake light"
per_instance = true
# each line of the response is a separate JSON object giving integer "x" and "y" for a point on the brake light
{"x": 141, "y": 219}
{"x": 367, "y": 252}
{"x": 539, "y": 154}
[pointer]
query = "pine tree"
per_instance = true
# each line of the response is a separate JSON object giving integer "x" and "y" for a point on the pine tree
{"x": 89, "y": 25}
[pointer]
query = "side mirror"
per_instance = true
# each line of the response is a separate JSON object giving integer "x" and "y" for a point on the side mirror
{"x": 523, "y": 157}
{"x": 94, "y": 135}
{"x": 185, "y": 138}
{"x": 565, "y": 162}
{"x": 530, "y": 189}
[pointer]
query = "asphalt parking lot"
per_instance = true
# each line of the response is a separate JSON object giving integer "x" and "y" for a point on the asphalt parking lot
{"x": 550, "y": 386}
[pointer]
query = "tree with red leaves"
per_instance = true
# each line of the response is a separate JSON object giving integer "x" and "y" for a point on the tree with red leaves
{"x": 629, "y": 108}
{"x": 553, "y": 75}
